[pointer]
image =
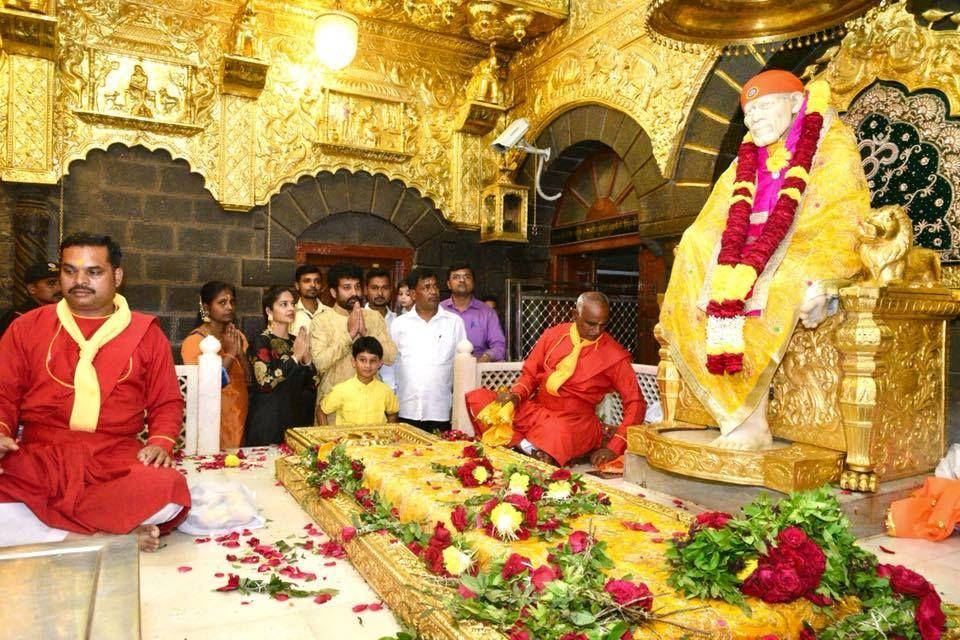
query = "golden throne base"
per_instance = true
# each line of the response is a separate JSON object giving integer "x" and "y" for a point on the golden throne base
{"x": 786, "y": 467}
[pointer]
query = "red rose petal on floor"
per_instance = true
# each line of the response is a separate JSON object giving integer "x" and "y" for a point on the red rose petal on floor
{"x": 231, "y": 544}
{"x": 184, "y": 569}
{"x": 885, "y": 550}
{"x": 397, "y": 453}
{"x": 201, "y": 540}
{"x": 323, "y": 597}
{"x": 245, "y": 602}
{"x": 376, "y": 606}
{"x": 329, "y": 564}
{"x": 357, "y": 608}
{"x": 281, "y": 597}
{"x": 218, "y": 574}
{"x": 657, "y": 540}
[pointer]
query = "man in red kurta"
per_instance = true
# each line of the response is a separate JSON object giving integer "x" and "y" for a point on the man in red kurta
{"x": 82, "y": 377}
{"x": 561, "y": 384}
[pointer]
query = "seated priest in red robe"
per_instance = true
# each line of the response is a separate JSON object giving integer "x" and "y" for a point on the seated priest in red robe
{"x": 82, "y": 377}
{"x": 571, "y": 368}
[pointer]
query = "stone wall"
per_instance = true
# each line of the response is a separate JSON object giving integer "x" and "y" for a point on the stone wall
{"x": 175, "y": 236}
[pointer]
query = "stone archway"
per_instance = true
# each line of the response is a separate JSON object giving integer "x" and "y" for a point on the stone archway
{"x": 575, "y": 135}
{"x": 317, "y": 201}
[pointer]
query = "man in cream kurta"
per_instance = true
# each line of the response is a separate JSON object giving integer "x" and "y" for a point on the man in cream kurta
{"x": 332, "y": 333}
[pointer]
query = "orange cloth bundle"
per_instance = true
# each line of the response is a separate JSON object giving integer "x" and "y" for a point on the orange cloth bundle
{"x": 931, "y": 513}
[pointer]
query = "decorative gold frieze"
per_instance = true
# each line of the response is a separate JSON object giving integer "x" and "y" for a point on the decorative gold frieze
{"x": 29, "y": 118}
{"x": 237, "y": 161}
{"x": 603, "y": 55}
{"x": 888, "y": 44}
{"x": 26, "y": 32}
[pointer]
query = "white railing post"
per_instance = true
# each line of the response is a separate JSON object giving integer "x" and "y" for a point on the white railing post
{"x": 209, "y": 379}
{"x": 464, "y": 380}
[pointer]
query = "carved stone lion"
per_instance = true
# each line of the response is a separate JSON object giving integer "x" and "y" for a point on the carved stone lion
{"x": 887, "y": 251}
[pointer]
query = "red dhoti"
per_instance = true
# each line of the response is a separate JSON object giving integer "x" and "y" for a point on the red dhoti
{"x": 566, "y": 425}
{"x": 88, "y": 481}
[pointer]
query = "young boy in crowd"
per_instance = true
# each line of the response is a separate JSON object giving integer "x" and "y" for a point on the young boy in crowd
{"x": 364, "y": 398}
{"x": 404, "y": 299}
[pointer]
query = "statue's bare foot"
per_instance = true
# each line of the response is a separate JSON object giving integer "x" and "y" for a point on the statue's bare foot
{"x": 744, "y": 439}
{"x": 149, "y": 537}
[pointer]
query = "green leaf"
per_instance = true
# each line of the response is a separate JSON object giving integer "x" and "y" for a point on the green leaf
{"x": 582, "y": 618}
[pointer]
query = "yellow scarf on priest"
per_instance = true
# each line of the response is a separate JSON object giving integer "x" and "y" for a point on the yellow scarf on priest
{"x": 86, "y": 387}
{"x": 568, "y": 364}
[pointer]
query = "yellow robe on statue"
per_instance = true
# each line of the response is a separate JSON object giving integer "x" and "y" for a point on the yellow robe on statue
{"x": 820, "y": 246}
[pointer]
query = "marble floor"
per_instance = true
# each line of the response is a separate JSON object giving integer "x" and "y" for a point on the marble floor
{"x": 179, "y": 600}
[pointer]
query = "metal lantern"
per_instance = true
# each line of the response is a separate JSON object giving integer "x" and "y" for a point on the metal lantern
{"x": 503, "y": 212}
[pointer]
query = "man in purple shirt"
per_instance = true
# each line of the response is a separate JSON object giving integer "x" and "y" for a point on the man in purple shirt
{"x": 481, "y": 322}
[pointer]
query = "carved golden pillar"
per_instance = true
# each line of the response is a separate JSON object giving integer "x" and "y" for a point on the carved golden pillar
{"x": 862, "y": 340}
{"x": 31, "y": 225}
{"x": 243, "y": 80}
{"x": 26, "y": 93}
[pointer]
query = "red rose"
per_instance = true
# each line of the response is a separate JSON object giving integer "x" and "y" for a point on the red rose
{"x": 441, "y": 537}
{"x": 549, "y": 525}
{"x": 792, "y": 537}
{"x": 904, "y": 581}
{"x": 931, "y": 621}
{"x": 322, "y": 465}
{"x": 819, "y": 600}
{"x": 542, "y": 575}
{"x": 523, "y": 634}
{"x": 713, "y": 519}
{"x": 329, "y": 489}
{"x": 514, "y": 566}
{"x": 561, "y": 474}
{"x": 471, "y": 451}
{"x": 807, "y": 634}
{"x": 348, "y": 533}
{"x": 233, "y": 583}
{"x": 465, "y": 593}
{"x": 535, "y": 492}
{"x": 458, "y": 518}
{"x": 489, "y": 505}
{"x": 433, "y": 558}
{"x": 415, "y": 547}
{"x": 578, "y": 540}
{"x": 465, "y": 472}
{"x": 627, "y": 593}
{"x": 357, "y": 467}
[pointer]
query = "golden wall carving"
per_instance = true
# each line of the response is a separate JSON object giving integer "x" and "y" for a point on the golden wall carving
{"x": 241, "y": 97}
{"x": 603, "y": 55}
{"x": 888, "y": 44}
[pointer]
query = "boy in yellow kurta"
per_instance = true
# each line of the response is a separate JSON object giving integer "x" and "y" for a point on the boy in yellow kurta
{"x": 364, "y": 398}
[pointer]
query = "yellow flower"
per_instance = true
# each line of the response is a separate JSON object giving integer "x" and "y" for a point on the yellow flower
{"x": 231, "y": 461}
{"x": 506, "y": 520}
{"x": 519, "y": 483}
{"x": 779, "y": 158}
{"x": 749, "y": 568}
{"x": 480, "y": 474}
{"x": 456, "y": 561}
{"x": 324, "y": 451}
{"x": 559, "y": 490}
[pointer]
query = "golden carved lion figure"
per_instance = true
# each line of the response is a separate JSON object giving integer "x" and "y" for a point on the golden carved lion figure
{"x": 887, "y": 251}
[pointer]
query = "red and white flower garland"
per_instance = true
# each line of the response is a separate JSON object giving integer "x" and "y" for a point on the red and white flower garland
{"x": 739, "y": 264}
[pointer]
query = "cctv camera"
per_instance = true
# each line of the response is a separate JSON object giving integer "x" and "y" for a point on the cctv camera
{"x": 511, "y": 136}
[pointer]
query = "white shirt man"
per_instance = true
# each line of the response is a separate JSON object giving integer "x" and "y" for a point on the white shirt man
{"x": 426, "y": 340}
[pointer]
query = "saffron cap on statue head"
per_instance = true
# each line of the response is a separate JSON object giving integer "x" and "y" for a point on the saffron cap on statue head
{"x": 772, "y": 81}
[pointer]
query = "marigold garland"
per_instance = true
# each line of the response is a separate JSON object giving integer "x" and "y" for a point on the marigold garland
{"x": 738, "y": 263}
